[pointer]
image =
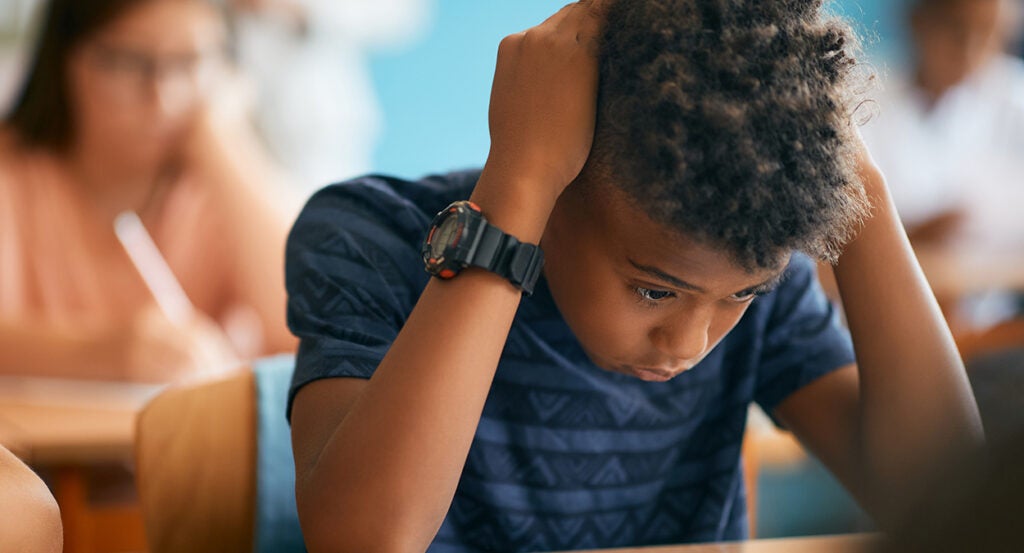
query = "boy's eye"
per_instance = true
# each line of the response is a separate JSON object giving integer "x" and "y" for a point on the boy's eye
{"x": 744, "y": 296}
{"x": 652, "y": 295}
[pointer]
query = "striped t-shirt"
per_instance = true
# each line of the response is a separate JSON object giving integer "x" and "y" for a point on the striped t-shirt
{"x": 566, "y": 456}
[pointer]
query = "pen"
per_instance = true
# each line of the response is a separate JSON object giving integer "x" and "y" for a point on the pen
{"x": 155, "y": 271}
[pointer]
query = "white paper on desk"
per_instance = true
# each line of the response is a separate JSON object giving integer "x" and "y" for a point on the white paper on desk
{"x": 95, "y": 394}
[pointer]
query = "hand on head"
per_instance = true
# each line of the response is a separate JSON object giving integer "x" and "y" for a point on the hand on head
{"x": 544, "y": 97}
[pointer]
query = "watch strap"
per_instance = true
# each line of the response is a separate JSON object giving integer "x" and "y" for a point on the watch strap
{"x": 505, "y": 255}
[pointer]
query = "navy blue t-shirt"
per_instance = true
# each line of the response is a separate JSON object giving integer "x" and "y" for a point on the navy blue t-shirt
{"x": 567, "y": 455}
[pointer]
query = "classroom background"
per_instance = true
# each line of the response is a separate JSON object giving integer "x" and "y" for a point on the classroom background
{"x": 427, "y": 109}
{"x": 402, "y": 88}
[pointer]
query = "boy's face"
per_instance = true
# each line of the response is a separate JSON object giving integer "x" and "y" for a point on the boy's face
{"x": 642, "y": 299}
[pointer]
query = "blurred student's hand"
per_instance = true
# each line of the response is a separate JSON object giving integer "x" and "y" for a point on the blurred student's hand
{"x": 152, "y": 348}
{"x": 544, "y": 98}
{"x": 221, "y": 118}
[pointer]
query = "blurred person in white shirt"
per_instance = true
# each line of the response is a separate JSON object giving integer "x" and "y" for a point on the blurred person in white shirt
{"x": 949, "y": 134}
{"x": 316, "y": 105}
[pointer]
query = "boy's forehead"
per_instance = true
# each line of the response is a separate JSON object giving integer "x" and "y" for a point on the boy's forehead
{"x": 635, "y": 239}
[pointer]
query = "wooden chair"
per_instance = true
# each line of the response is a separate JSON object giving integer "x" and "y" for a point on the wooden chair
{"x": 214, "y": 465}
{"x": 751, "y": 470}
{"x": 196, "y": 467}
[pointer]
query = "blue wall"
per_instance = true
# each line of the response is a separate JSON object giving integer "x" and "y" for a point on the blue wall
{"x": 435, "y": 94}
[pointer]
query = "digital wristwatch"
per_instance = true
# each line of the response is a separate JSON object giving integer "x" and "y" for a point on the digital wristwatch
{"x": 461, "y": 237}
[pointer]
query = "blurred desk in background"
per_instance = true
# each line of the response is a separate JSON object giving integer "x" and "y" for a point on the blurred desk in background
{"x": 956, "y": 271}
{"x": 854, "y": 543}
{"x": 55, "y": 421}
{"x": 66, "y": 430}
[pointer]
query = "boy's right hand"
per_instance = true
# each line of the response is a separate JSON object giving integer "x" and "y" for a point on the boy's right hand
{"x": 544, "y": 100}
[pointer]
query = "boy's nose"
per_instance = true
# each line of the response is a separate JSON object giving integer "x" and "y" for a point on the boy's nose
{"x": 682, "y": 338}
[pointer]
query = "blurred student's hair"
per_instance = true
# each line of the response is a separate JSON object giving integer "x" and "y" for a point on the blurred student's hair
{"x": 42, "y": 115}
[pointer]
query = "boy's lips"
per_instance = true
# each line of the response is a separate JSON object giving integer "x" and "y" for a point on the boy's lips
{"x": 650, "y": 374}
{"x": 646, "y": 373}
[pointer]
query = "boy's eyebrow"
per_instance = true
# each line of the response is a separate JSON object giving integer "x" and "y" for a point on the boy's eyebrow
{"x": 665, "y": 277}
{"x": 767, "y": 286}
{"x": 772, "y": 283}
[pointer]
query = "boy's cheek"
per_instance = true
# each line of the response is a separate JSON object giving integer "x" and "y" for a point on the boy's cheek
{"x": 611, "y": 339}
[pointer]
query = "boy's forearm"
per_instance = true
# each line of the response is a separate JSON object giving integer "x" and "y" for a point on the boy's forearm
{"x": 917, "y": 409}
{"x": 391, "y": 467}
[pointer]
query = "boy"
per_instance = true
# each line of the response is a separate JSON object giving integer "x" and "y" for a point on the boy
{"x": 607, "y": 409}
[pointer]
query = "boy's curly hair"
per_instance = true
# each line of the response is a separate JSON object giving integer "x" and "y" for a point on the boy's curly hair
{"x": 731, "y": 121}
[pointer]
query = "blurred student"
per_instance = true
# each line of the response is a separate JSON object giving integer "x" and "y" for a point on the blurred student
{"x": 127, "y": 106}
{"x": 950, "y": 131}
{"x": 973, "y": 514}
{"x": 316, "y": 105}
{"x": 29, "y": 516}
{"x": 674, "y": 161}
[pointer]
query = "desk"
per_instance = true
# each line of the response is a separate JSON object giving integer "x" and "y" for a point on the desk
{"x": 854, "y": 543}
{"x": 65, "y": 427}
{"x": 955, "y": 271}
{"x": 48, "y": 422}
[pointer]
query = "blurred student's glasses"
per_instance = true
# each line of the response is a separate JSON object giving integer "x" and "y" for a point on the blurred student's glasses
{"x": 132, "y": 74}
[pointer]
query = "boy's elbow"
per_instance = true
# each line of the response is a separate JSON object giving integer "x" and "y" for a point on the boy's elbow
{"x": 353, "y": 537}
{"x": 328, "y": 528}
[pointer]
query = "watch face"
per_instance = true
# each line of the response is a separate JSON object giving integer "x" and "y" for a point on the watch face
{"x": 446, "y": 235}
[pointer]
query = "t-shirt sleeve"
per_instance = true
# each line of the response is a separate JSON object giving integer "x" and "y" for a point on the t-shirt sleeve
{"x": 804, "y": 337}
{"x": 353, "y": 274}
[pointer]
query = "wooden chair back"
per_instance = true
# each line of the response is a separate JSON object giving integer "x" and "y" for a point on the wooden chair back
{"x": 196, "y": 467}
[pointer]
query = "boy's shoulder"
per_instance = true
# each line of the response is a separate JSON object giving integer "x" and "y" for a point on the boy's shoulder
{"x": 374, "y": 193}
{"x": 376, "y": 208}
{"x": 798, "y": 290}
{"x": 365, "y": 234}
